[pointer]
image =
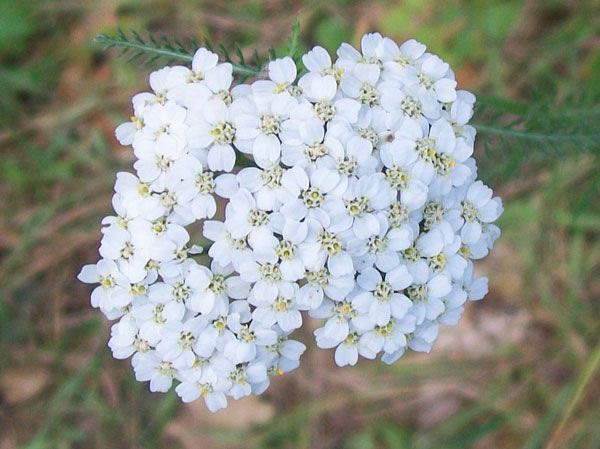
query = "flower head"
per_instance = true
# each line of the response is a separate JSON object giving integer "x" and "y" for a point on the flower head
{"x": 363, "y": 209}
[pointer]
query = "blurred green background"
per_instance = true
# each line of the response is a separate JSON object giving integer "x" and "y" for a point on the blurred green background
{"x": 522, "y": 370}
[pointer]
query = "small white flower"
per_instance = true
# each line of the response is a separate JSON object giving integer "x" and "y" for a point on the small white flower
{"x": 321, "y": 91}
{"x": 282, "y": 310}
{"x": 212, "y": 130}
{"x": 136, "y": 197}
{"x": 423, "y": 337}
{"x": 318, "y": 61}
{"x": 433, "y": 77}
{"x": 401, "y": 59}
{"x": 356, "y": 208}
{"x": 477, "y": 208}
{"x": 265, "y": 185}
{"x": 213, "y": 288}
{"x": 226, "y": 249}
{"x": 195, "y": 189}
{"x": 177, "y": 340}
{"x": 282, "y": 73}
{"x": 127, "y": 132}
{"x": 160, "y": 373}
{"x": 257, "y": 128}
{"x": 381, "y": 299}
{"x": 210, "y": 387}
{"x": 243, "y": 220}
{"x": 361, "y": 84}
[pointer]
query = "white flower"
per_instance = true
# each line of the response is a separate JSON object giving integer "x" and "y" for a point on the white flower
{"x": 155, "y": 313}
{"x": 319, "y": 283}
{"x": 318, "y": 61}
{"x": 282, "y": 73}
{"x": 282, "y": 310}
{"x": 351, "y": 159}
{"x": 330, "y": 251}
{"x": 321, "y": 92}
{"x": 195, "y": 189}
{"x": 381, "y": 299}
{"x": 338, "y": 314}
{"x": 356, "y": 208}
{"x": 258, "y": 125}
{"x": 361, "y": 84}
{"x": 389, "y": 337}
{"x": 213, "y": 288}
{"x": 433, "y": 76}
{"x": 266, "y": 279}
{"x": 210, "y": 387}
{"x": 382, "y": 249}
{"x": 243, "y": 220}
{"x": 347, "y": 351}
{"x": 226, "y": 249}
{"x": 477, "y": 208}
{"x": 105, "y": 273}
{"x": 125, "y": 340}
{"x": 265, "y": 186}
{"x": 249, "y": 338}
{"x": 423, "y": 337}
{"x": 426, "y": 297}
{"x": 401, "y": 59}
{"x": 157, "y": 237}
{"x": 476, "y": 288}
{"x": 363, "y": 209}
{"x": 303, "y": 142}
{"x": 160, "y": 373}
{"x": 349, "y": 57}
{"x": 308, "y": 195}
{"x": 212, "y": 129}
{"x": 136, "y": 197}
{"x": 127, "y": 132}
{"x": 162, "y": 81}
{"x": 409, "y": 101}
{"x": 399, "y": 160}
{"x": 177, "y": 340}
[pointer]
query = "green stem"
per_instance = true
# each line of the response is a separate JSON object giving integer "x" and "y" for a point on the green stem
{"x": 589, "y": 370}
{"x": 531, "y": 135}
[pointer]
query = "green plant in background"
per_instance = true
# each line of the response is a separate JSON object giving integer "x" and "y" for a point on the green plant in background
{"x": 535, "y": 387}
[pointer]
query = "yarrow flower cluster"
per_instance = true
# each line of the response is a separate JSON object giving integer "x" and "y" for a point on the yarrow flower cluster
{"x": 361, "y": 206}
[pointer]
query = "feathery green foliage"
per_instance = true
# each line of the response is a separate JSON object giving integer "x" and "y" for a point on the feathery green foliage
{"x": 149, "y": 49}
{"x": 152, "y": 48}
{"x": 516, "y": 135}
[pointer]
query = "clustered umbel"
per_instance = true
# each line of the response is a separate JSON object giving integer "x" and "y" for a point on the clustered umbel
{"x": 362, "y": 208}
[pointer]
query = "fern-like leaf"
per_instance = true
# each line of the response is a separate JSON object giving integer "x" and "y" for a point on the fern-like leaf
{"x": 517, "y": 135}
{"x": 152, "y": 48}
{"x": 136, "y": 47}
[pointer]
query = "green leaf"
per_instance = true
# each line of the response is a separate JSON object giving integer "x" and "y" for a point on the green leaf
{"x": 151, "y": 48}
{"x": 518, "y": 136}
{"x": 292, "y": 48}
